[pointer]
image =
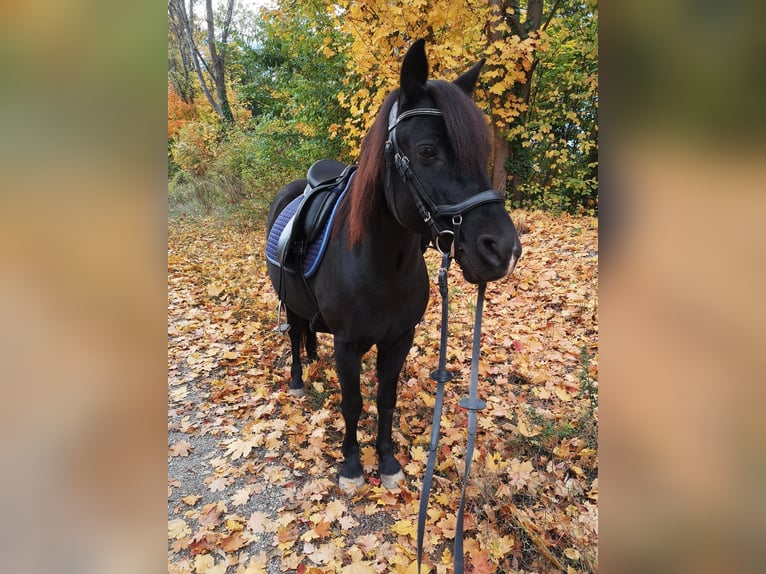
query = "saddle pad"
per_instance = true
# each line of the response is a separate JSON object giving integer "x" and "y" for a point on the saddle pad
{"x": 317, "y": 248}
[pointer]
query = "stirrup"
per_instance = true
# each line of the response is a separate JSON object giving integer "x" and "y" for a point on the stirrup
{"x": 281, "y": 327}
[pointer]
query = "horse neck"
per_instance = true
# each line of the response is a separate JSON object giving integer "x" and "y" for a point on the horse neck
{"x": 394, "y": 248}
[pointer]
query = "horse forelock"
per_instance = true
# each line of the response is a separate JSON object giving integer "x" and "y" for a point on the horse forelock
{"x": 467, "y": 132}
{"x": 467, "y": 127}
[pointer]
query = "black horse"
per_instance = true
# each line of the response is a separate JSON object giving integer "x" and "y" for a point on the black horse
{"x": 422, "y": 176}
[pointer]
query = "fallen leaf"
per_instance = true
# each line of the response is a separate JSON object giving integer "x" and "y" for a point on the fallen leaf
{"x": 181, "y": 448}
{"x": 178, "y": 528}
{"x": 359, "y": 568}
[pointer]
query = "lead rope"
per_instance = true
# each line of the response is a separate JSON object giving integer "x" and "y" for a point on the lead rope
{"x": 472, "y": 403}
{"x": 441, "y": 376}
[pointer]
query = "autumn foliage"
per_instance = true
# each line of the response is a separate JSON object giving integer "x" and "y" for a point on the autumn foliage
{"x": 253, "y": 471}
{"x": 179, "y": 112}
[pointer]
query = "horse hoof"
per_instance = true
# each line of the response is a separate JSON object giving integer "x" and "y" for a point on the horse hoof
{"x": 298, "y": 393}
{"x": 351, "y": 485}
{"x": 390, "y": 481}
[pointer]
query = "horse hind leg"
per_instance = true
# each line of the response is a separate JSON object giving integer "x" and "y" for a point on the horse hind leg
{"x": 311, "y": 345}
{"x": 299, "y": 328}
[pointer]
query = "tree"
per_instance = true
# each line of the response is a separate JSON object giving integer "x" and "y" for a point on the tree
{"x": 510, "y": 24}
{"x": 290, "y": 73}
{"x": 511, "y": 34}
{"x": 210, "y": 70}
{"x": 559, "y": 148}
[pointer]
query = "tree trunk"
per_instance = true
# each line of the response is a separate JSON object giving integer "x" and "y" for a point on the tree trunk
{"x": 218, "y": 59}
{"x": 499, "y": 157}
{"x": 212, "y": 74}
{"x": 502, "y": 148}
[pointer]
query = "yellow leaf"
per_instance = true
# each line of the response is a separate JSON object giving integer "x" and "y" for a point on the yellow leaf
{"x": 428, "y": 399}
{"x": 359, "y": 568}
{"x": 524, "y": 429}
{"x": 405, "y": 528}
{"x": 192, "y": 499}
{"x": 572, "y": 553}
{"x": 178, "y": 529}
{"x": 497, "y": 89}
{"x": 419, "y": 454}
{"x": 215, "y": 289}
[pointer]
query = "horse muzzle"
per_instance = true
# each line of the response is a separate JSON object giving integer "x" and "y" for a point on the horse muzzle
{"x": 489, "y": 257}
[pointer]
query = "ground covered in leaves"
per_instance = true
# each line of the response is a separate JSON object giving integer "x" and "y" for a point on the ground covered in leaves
{"x": 252, "y": 471}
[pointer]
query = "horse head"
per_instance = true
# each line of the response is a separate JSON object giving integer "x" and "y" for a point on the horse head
{"x": 436, "y": 181}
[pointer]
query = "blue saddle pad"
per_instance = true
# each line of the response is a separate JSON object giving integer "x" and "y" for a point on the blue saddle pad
{"x": 317, "y": 248}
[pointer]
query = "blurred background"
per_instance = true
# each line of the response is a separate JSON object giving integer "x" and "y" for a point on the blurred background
{"x": 83, "y": 209}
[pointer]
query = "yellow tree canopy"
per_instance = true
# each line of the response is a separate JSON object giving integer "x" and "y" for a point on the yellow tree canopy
{"x": 457, "y": 35}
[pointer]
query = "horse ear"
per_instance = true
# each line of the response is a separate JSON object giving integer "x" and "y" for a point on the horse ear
{"x": 467, "y": 82}
{"x": 414, "y": 73}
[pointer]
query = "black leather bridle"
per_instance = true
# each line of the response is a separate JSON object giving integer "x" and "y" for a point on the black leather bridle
{"x": 429, "y": 211}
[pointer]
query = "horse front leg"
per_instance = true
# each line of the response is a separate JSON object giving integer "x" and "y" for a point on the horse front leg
{"x": 348, "y": 361}
{"x": 389, "y": 366}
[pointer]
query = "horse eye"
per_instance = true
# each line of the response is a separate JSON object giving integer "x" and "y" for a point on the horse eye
{"x": 426, "y": 152}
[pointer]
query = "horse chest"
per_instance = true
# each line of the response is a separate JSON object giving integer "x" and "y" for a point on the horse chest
{"x": 379, "y": 305}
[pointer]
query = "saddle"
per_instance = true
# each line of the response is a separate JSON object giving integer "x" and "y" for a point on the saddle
{"x": 327, "y": 181}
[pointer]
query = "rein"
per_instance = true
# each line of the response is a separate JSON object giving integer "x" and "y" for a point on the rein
{"x": 472, "y": 403}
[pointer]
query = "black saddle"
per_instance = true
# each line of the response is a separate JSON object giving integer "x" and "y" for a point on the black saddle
{"x": 327, "y": 179}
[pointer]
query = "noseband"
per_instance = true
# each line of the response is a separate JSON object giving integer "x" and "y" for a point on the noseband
{"x": 429, "y": 211}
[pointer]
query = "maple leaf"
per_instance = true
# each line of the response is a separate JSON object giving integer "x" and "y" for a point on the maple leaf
{"x": 210, "y": 515}
{"x": 348, "y": 522}
{"x": 359, "y": 568}
{"x": 322, "y": 529}
{"x": 203, "y": 562}
{"x": 181, "y": 448}
{"x": 219, "y": 483}
{"x": 257, "y": 564}
{"x": 480, "y": 564}
{"x": 321, "y": 555}
{"x": 335, "y": 509}
{"x": 500, "y": 546}
{"x": 178, "y": 528}
{"x": 241, "y": 497}
{"x": 520, "y": 472}
{"x": 368, "y": 542}
{"x": 448, "y": 524}
{"x": 233, "y": 542}
{"x": 405, "y": 528}
{"x": 260, "y": 522}
{"x": 240, "y": 448}
{"x": 285, "y": 537}
{"x": 191, "y": 499}
{"x": 215, "y": 289}
{"x": 369, "y": 458}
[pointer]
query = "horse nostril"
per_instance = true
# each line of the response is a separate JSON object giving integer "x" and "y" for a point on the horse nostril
{"x": 490, "y": 251}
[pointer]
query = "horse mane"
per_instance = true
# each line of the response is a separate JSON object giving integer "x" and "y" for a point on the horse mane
{"x": 468, "y": 135}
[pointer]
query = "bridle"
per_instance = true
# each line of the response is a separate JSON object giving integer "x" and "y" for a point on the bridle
{"x": 429, "y": 211}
